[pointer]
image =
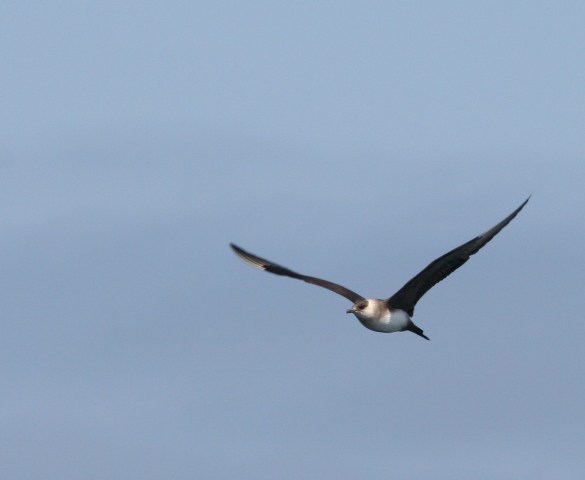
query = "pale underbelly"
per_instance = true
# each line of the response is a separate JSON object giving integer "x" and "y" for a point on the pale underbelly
{"x": 394, "y": 321}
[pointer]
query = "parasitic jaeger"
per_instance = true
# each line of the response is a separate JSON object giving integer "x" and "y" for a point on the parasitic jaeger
{"x": 392, "y": 314}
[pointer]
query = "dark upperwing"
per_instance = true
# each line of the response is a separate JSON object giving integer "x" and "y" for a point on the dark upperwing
{"x": 267, "y": 265}
{"x": 407, "y": 297}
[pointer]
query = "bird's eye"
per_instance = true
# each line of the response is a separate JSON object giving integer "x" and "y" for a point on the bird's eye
{"x": 361, "y": 306}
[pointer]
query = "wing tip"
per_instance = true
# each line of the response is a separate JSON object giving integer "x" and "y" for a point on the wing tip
{"x": 517, "y": 211}
{"x": 248, "y": 258}
{"x": 239, "y": 251}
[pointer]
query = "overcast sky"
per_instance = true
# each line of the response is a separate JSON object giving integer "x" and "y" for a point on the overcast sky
{"x": 356, "y": 141}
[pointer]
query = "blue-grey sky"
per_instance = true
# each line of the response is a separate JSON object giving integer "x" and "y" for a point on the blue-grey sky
{"x": 356, "y": 141}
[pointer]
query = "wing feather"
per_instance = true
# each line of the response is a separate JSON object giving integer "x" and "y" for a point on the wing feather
{"x": 268, "y": 266}
{"x": 407, "y": 297}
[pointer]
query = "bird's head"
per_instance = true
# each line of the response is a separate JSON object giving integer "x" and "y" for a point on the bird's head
{"x": 359, "y": 309}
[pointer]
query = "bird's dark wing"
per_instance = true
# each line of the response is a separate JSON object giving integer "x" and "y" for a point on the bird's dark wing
{"x": 443, "y": 266}
{"x": 263, "y": 264}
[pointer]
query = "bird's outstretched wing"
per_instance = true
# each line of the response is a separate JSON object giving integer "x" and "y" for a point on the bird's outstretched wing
{"x": 443, "y": 266}
{"x": 267, "y": 265}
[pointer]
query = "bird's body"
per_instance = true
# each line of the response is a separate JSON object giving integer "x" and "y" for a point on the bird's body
{"x": 378, "y": 317}
{"x": 393, "y": 314}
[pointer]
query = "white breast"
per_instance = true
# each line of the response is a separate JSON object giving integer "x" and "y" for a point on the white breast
{"x": 390, "y": 321}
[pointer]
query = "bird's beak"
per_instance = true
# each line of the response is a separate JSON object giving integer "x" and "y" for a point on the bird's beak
{"x": 350, "y": 310}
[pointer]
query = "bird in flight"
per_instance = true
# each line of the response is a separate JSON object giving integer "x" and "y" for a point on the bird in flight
{"x": 393, "y": 314}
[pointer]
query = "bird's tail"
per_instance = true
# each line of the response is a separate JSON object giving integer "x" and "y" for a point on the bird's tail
{"x": 414, "y": 329}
